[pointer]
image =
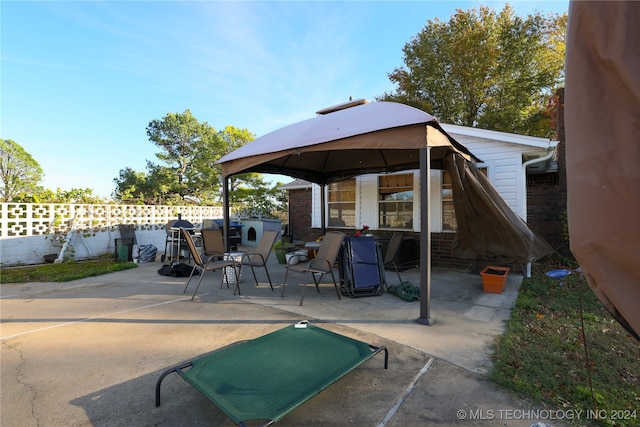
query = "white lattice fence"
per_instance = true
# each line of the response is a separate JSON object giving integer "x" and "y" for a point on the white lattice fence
{"x": 36, "y": 219}
{"x": 26, "y": 228}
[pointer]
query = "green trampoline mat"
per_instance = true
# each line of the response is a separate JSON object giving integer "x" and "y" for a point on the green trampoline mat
{"x": 268, "y": 377}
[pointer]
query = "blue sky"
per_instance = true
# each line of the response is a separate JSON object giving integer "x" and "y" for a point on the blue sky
{"x": 81, "y": 80}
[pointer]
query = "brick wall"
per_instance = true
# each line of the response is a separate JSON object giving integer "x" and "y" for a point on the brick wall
{"x": 442, "y": 252}
{"x": 300, "y": 215}
{"x": 547, "y": 193}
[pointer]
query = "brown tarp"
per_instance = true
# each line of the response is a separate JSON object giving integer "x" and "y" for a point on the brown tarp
{"x": 487, "y": 227}
{"x": 377, "y": 137}
{"x": 602, "y": 124}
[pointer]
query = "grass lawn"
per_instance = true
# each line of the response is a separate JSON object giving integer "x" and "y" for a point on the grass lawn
{"x": 63, "y": 272}
{"x": 541, "y": 355}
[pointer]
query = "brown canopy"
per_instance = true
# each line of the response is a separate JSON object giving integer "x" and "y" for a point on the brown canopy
{"x": 602, "y": 124}
{"x": 367, "y": 138}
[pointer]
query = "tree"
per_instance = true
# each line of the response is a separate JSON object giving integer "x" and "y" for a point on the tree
{"x": 132, "y": 187}
{"x": 251, "y": 197}
{"x": 188, "y": 172}
{"x": 494, "y": 71}
{"x": 186, "y": 142}
{"x": 231, "y": 138}
{"x": 19, "y": 172}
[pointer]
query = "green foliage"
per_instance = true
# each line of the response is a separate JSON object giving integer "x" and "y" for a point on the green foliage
{"x": 19, "y": 172}
{"x": 251, "y": 197}
{"x": 63, "y": 272}
{"x": 188, "y": 173}
{"x": 189, "y": 150}
{"x": 485, "y": 69}
{"x": 45, "y": 195}
{"x": 541, "y": 354}
{"x": 21, "y": 175}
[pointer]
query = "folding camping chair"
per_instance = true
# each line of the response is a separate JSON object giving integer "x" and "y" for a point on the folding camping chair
{"x": 260, "y": 257}
{"x": 361, "y": 269}
{"x": 321, "y": 264}
{"x": 210, "y": 264}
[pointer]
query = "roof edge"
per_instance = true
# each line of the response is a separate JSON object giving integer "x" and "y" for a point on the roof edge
{"x": 532, "y": 141}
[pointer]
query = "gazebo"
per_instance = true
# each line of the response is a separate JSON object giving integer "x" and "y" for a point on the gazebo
{"x": 358, "y": 138}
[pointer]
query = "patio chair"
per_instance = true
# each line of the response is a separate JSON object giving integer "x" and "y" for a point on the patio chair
{"x": 320, "y": 265}
{"x": 212, "y": 243}
{"x": 391, "y": 256}
{"x": 260, "y": 256}
{"x": 210, "y": 264}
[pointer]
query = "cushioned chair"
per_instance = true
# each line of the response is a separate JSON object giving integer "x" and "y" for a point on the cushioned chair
{"x": 391, "y": 256}
{"x": 320, "y": 265}
{"x": 208, "y": 264}
{"x": 260, "y": 257}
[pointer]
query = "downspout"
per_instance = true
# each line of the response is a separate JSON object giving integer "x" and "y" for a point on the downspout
{"x": 525, "y": 165}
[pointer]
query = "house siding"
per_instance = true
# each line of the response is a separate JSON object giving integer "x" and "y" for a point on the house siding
{"x": 504, "y": 168}
{"x": 366, "y": 208}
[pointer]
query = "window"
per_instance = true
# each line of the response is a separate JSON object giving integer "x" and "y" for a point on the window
{"x": 449, "y": 222}
{"x": 448, "y": 212}
{"x": 395, "y": 201}
{"x": 342, "y": 203}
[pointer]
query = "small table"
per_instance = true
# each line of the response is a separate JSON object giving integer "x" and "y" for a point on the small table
{"x": 313, "y": 248}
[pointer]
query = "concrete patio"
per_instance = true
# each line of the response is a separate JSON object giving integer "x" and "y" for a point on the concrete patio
{"x": 88, "y": 352}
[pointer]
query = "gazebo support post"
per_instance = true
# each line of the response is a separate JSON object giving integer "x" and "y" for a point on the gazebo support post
{"x": 323, "y": 212}
{"x": 225, "y": 211}
{"x": 425, "y": 238}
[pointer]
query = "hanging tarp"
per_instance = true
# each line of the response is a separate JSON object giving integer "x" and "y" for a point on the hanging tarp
{"x": 602, "y": 125}
{"x": 487, "y": 227}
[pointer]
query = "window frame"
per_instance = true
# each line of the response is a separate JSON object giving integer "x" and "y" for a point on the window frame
{"x": 331, "y": 222}
{"x": 399, "y": 181}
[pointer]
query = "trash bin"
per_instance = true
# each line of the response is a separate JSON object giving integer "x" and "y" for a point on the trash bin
{"x": 124, "y": 249}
